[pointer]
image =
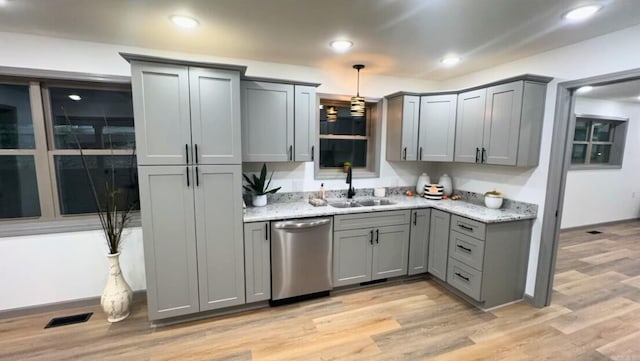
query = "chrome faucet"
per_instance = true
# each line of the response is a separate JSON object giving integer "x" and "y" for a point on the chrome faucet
{"x": 351, "y": 191}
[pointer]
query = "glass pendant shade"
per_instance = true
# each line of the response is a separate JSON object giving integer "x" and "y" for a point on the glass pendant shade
{"x": 332, "y": 114}
{"x": 357, "y": 102}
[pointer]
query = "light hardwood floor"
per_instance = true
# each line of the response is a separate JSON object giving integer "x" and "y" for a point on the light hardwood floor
{"x": 595, "y": 315}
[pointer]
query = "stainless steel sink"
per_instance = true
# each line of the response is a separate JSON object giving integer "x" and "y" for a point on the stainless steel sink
{"x": 374, "y": 202}
{"x": 344, "y": 204}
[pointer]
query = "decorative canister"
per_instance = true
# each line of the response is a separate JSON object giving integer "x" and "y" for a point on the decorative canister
{"x": 423, "y": 180}
{"x": 446, "y": 182}
{"x": 493, "y": 199}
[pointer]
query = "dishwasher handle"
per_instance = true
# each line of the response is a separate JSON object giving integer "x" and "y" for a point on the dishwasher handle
{"x": 301, "y": 224}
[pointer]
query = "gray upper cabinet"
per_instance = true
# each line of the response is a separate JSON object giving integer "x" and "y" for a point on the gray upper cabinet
{"x": 257, "y": 261}
{"x": 439, "y": 243}
{"x": 306, "y": 111}
{"x": 186, "y": 115}
{"x": 218, "y": 206}
{"x": 215, "y": 116}
{"x": 278, "y": 122}
{"x": 162, "y": 113}
{"x": 390, "y": 252}
{"x": 168, "y": 225}
{"x": 419, "y": 241}
{"x": 501, "y": 125}
{"x": 436, "y": 138}
{"x": 470, "y": 125}
{"x": 403, "y": 118}
{"x": 352, "y": 256}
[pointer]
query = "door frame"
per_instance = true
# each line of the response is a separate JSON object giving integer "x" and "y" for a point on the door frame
{"x": 559, "y": 162}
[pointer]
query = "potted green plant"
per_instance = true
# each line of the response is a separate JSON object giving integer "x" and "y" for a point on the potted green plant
{"x": 346, "y": 166}
{"x": 259, "y": 187}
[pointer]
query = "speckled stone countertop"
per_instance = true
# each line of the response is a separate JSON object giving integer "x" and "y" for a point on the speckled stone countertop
{"x": 511, "y": 211}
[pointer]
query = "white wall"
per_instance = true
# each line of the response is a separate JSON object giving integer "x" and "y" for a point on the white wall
{"x": 613, "y": 52}
{"x": 605, "y": 54}
{"x": 606, "y": 195}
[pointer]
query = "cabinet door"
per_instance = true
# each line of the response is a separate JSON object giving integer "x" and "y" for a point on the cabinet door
{"x": 306, "y": 112}
{"x": 215, "y": 116}
{"x": 219, "y": 236}
{"x": 410, "y": 122}
{"x": 469, "y": 126}
{"x": 162, "y": 114}
{"x": 419, "y": 241}
{"x": 390, "y": 252}
{"x": 502, "y": 123}
{"x": 257, "y": 261}
{"x": 437, "y": 134}
{"x": 267, "y": 122}
{"x": 439, "y": 244}
{"x": 168, "y": 229}
{"x": 352, "y": 256}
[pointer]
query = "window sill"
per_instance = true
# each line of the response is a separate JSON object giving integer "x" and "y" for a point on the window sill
{"x": 328, "y": 174}
{"x": 595, "y": 167}
{"x": 11, "y": 228}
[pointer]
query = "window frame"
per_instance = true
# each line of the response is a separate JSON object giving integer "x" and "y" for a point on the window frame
{"x": 617, "y": 141}
{"x": 373, "y": 137}
{"x": 51, "y": 220}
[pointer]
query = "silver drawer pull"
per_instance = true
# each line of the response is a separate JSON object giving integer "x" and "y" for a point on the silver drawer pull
{"x": 467, "y": 228}
{"x": 463, "y": 277}
{"x": 464, "y": 248}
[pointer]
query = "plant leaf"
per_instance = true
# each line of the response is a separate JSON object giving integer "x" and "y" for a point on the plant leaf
{"x": 246, "y": 178}
{"x": 272, "y": 191}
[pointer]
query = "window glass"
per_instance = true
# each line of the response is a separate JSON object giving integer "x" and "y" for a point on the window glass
{"x": 334, "y": 152}
{"x": 582, "y": 130}
{"x": 600, "y": 153}
{"x": 74, "y": 189}
{"x": 16, "y": 125}
{"x": 100, "y": 119}
{"x": 18, "y": 187}
{"x": 579, "y": 153}
{"x": 337, "y": 120}
{"x": 602, "y": 132}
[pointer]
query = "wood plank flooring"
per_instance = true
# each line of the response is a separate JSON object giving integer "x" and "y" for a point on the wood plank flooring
{"x": 595, "y": 315}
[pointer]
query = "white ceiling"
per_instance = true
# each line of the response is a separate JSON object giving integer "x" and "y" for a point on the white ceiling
{"x": 392, "y": 37}
{"x": 627, "y": 91}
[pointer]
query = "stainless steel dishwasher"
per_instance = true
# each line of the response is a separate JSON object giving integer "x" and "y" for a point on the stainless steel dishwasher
{"x": 301, "y": 254}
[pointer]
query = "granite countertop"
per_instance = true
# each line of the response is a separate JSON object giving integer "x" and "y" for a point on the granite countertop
{"x": 302, "y": 209}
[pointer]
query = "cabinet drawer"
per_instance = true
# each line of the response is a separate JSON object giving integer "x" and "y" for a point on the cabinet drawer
{"x": 466, "y": 279}
{"x": 466, "y": 249}
{"x": 370, "y": 219}
{"x": 467, "y": 226}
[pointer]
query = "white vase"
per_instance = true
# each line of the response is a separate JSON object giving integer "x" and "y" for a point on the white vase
{"x": 117, "y": 296}
{"x": 446, "y": 182}
{"x": 423, "y": 180}
{"x": 259, "y": 201}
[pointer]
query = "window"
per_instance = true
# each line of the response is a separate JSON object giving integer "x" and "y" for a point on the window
{"x": 598, "y": 142}
{"x": 41, "y": 123}
{"x": 344, "y": 138}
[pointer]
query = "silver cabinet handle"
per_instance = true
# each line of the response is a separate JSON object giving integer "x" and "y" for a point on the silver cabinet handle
{"x": 301, "y": 224}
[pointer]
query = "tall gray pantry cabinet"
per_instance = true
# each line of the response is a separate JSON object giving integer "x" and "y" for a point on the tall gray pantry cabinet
{"x": 187, "y": 118}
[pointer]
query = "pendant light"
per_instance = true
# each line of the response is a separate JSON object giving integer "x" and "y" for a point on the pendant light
{"x": 332, "y": 114}
{"x": 357, "y": 102}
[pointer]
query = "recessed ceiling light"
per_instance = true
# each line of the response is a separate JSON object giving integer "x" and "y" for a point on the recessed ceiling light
{"x": 341, "y": 45}
{"x": 184, "y": 21}
{"x": 582, "y": 13}
{"x": 75, "y": 97}
{"x": 450, "y": 60}
{"x": 584, "y": 89}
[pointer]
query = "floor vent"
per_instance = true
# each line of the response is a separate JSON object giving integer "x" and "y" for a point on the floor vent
{"x": 69, "y": 320}
{"x": 594, "y": 232}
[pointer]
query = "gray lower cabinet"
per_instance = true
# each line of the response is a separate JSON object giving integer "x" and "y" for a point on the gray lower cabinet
{"x": 278, "y": 122}
{"x": 367, "y": 247}
{"x": 192, "y": 229}
{"x": 419, "y": 241}
{"x": 257, "y": 261}
{"x": 488, "y": 262}
{"x": 439, "y": 244}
